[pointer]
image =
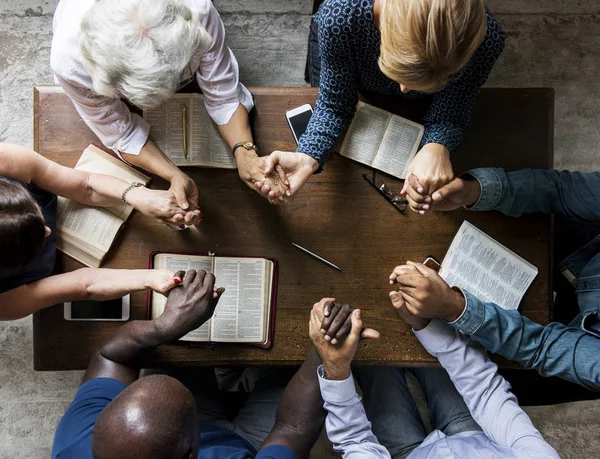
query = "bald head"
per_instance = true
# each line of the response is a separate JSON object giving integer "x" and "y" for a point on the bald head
{"x": 155, "y": 417}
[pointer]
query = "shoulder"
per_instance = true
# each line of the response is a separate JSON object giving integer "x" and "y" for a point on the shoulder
{"x": 65, "y": 54}
{"x": 493, "y": 43}
{"x": 341, "y": 16}
{"x": 74, "y": 432}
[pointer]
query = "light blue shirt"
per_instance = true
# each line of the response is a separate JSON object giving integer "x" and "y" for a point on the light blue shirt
{"x": 507, "y": 430}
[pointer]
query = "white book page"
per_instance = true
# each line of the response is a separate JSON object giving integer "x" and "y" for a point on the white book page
{"x": 365, "y": 133}
{"x": 487, "y": 269}
{"x": 94, "y": 225}
{"x": 239, "y": 316}
{"x": 166, "y": 127}
{"x": 399, "y": 146}
{"x": 176, "y": 263}
{"x": 209, "y": 147}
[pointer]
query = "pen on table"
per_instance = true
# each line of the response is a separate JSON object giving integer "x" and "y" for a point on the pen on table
{"x": 184, "y": 127}
{"x": 316, "y": 256}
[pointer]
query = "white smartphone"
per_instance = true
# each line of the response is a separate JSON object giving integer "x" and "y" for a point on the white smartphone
{"x": 111, "y": 310}
{"x": 298, "y": 119}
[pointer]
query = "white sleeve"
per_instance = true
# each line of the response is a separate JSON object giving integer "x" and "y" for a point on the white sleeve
{"x": 486, "y": 393}
{"x": 218, "y": 75}
{"x": 347, "y": 425}
{"x": 110, "y": 119}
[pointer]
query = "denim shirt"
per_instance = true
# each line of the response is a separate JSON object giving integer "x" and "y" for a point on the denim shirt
{"x": 570, "y": 352}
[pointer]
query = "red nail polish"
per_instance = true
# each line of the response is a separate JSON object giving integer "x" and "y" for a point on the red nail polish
{"x": 177, "y": 281}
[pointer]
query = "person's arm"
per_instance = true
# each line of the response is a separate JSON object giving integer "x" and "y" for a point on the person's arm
{"x": 89, "y": 188}
{"x": 127, "y": 133}
{"x": 485, "y": 392}
{"x": 300, "y": 415}
{"x": 347, "y": 425}
{"x": 552, "y": 350}
{"x": 338, "y": 93}
{"x": 572, "y": 194}
{"x": 187, "y": 308}
{"x": 82, "y": 284}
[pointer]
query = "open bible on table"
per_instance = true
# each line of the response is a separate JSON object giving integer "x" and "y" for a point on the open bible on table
{"x": 245, "y": 313}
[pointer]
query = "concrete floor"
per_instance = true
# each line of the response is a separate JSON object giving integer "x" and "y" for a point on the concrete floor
{"x": 552, "y": 43}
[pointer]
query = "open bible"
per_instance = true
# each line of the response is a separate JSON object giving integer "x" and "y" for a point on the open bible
{"x": 86, "y": 233}
{"x": 183, "y": 130}
{"x": 382, "y": 140}
{"x": 486, "y": 268}
{"x": 246, "y": 310}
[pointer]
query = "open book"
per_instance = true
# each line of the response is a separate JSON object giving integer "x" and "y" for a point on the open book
{"x": 86, "y": 233}
{"x": 382, "y": 140}
{"x": 245, "y": 312}
{"x": 487, "y": 269}
{"x": 183, "y": 121}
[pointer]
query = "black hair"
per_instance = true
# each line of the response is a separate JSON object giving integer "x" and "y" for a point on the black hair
{"x": 22, "y": 231}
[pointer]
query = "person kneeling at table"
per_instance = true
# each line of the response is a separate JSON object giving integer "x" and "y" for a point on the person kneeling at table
{"x": 473, "y": 411}
{"x": 116, "y": 415}
{"x": 29, "y": 184}
{"x": 569, "y": 352}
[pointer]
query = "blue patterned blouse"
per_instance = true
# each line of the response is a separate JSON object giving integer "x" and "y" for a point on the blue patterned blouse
{"x": 349, "y": 49}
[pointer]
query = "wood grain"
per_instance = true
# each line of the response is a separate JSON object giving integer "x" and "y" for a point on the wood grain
{"x": 337, "y": 214}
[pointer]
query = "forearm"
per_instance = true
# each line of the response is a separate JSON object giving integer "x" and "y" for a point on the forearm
{"x": 553, "y": 350}
{"x": 300, "y": 414}
{"x": 152, "y": 159}
{"x": 485, "y": 392}
{"x": 119, "y": 357}
{"x": 572, "y": 194}
{"x": 238, "y": 128}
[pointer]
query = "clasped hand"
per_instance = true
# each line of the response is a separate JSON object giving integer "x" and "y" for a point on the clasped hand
{"x": 423, "y": 295}
{"x": 335, "y": 330}
{"x": 189, "y": 305}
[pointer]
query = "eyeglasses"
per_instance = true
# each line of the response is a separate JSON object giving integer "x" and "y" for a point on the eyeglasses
{"x": 394, "y": 198}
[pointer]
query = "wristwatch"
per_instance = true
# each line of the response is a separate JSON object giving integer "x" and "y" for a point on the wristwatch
{"x": 246, "y": 145}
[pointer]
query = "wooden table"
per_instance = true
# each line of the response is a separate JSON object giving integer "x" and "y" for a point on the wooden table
{"x": 337, "y": 214}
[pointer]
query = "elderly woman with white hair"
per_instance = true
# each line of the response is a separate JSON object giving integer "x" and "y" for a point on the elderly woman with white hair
{"x": 143, "y": 51}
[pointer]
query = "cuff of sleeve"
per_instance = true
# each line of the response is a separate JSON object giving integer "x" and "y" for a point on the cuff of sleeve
{"x": 436, "y": 336}
{"x": 336, "y": 392}
{"x": 221, "y": 114}
{"x": 472, "y": 317}
{"x": 491, "y": 188}
{"x": 444, "y": 134}
{"x": 133, "y": 144}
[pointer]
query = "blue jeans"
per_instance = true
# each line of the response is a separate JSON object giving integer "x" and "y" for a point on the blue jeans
{"x": 313, "y": 60}
{"x": 394, "y": 415}
{"x": 570, "y": 352}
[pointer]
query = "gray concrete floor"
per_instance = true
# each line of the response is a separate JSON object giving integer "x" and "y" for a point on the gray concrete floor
{"x": 553, "y": 43}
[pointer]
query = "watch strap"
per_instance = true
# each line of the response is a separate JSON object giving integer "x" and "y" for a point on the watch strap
{"x": 247, "y": 145}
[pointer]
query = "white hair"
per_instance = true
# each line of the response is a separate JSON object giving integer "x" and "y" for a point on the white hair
{"x": 138, "y": 49}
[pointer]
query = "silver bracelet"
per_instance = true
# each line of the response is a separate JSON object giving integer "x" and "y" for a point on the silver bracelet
{"x": 128, "y": 189}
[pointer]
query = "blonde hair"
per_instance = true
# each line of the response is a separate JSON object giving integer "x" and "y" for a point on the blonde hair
{"x": 138, "y": 49}
{"x": 424, "y": 42}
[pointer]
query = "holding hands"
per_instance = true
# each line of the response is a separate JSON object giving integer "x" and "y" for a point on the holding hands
{"x": 164, "y": 206}
{"x": 430, "y": 169}
{"x": 189, "y": 305}
{"x": 423, "y": 295}
{"x": 296, "y": 167}
{"x": 335, "y": 330}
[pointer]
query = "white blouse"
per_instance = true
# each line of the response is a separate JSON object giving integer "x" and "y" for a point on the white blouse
{"x": 216, "y": 72}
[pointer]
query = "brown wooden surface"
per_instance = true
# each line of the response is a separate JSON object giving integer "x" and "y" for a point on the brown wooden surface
{"x": 337, "y": 215}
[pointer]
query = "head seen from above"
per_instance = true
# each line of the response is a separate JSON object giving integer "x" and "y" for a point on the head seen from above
{"x": 154, "y": 418}
{"x": 22, "y": 227}
{"x": 139, "y": 49}
{"x": 425, "y": 42}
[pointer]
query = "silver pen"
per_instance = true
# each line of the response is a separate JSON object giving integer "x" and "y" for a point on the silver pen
{"x": 317, "y": 256}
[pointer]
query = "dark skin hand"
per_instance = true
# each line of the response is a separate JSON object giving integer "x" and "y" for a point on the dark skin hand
{"x": 188, "y": 306}
{"x": 337, "y": 323}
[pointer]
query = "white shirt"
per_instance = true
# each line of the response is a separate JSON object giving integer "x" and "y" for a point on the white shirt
{"x": 111, "y": 120}
{"x": 507, "y": 430}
